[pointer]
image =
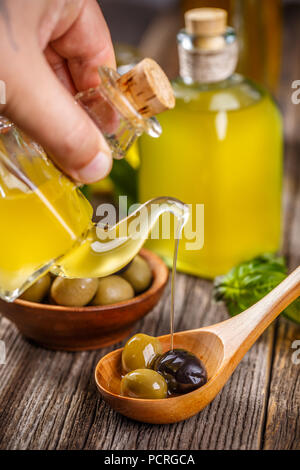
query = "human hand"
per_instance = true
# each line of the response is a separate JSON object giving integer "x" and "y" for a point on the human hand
{"x": 50, "y": 49}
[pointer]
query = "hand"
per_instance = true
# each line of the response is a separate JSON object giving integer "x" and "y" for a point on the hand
{"x": 50, "y": 50}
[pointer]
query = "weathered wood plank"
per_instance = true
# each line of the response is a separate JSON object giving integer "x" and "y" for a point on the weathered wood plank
{"x": 283, "y": 418}
{"x": 283, "y": 415}
{"x": 49, "y": 400}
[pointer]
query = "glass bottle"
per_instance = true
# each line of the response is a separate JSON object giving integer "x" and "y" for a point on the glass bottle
{"x": 258, "y": 24}
{"x": 221, "y": 147}
{"x": 127, "y": 57}
{"x": 46, "y": 222}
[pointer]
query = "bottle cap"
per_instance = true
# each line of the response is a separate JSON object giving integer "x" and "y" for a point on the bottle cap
{"x": 208, "y": 50}
{"x": 147, "y": 88}
{"x": 206, "y": 21}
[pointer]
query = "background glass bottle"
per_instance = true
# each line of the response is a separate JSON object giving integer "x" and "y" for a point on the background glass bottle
{"x": 258, "y": 24}
{"x": 221, "y": 147}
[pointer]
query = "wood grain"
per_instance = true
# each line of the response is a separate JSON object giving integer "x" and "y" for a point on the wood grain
{"x": 282, "y": 429}
{"x": 49, "y": 400}
{"x": 283, "y": 418}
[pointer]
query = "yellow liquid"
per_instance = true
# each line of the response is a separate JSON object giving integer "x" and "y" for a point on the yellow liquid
{"x": 222, "y": 147}
{"x": 50, "y": 227}
{"x": 37, "y": 225}
{"x": 47, "y": 225}
{"x": 105, "y": 251}
{"x": 46, "y": 222}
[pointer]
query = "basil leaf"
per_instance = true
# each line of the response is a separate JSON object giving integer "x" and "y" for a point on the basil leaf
{"x": 250, "y": 281}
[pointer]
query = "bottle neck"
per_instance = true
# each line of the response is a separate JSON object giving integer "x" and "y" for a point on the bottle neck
{"x": 207, "y": 60}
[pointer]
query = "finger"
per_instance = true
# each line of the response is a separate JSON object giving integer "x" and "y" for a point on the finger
{"x": 60, "y": 68}
{"x": 86, "y": 45}
{"x": 50, "y": 115}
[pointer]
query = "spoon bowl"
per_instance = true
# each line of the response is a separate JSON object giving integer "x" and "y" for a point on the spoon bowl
{"x": 220, "y": 347}
{"x": 207, "y": 346}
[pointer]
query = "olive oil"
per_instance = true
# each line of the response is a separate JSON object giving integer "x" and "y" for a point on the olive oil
{"x": 221, "y": 147}
{"x": 105, "y": 250}
{"x": 48, "y": 226}
{"x": 180, "y": 224}
{"x": 46, "y": 221}
{"x": 38, "y": 225}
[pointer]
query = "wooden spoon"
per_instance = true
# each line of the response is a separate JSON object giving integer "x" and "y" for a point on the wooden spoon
{"x": 220, "y": 347}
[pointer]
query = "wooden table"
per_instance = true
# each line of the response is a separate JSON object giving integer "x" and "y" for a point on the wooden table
{"x": 48, "y": 400}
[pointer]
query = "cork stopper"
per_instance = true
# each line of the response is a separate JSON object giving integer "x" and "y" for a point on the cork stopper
{"x": 206, "y": 21}
{"x": 208, "y": 25}
{"x": 147, "y": 88}
{"x": 205, "y": 53}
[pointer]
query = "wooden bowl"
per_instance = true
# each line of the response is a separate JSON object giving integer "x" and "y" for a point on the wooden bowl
{"x": 82, "y": 328}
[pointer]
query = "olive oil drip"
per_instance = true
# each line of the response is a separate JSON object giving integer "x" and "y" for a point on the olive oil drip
{"x": 180, "y": 224}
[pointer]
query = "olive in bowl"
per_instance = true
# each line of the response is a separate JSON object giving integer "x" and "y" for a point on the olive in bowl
{"x": 73, "y": 292}
{"x": 135, "y": 278}
{"x": 38, "y": 291}
{"x": 138, "y": 274}
{"x": 111, "y": 290}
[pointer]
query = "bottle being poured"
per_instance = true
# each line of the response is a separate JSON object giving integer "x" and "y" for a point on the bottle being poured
{"x": 46, "y": 221}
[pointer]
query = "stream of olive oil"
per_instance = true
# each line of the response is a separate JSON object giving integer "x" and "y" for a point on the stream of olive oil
{"x": 180, "y": 224}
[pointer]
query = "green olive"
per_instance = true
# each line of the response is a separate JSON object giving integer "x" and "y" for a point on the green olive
{"x": 144, "y": 383}
{"x": 139, "y": 352}
{"x": 138, "y": 274}
{"x": 38, "y": 291}
{"x": 73, "y": 292}
{"x": 111, "y": 290}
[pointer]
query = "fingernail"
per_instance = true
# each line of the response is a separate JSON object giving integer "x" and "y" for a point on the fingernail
{"x": 96, "y": 169}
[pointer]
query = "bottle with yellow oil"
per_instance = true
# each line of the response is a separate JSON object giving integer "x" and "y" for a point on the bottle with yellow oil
{"x": 46, "y": 222}
{"x": 221, "y": 152}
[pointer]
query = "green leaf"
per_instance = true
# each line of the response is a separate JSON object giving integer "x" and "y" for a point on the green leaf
{"x": 292, "y": 312}
{"x": 124, "y": 178}
{"x": 250, "y": 281}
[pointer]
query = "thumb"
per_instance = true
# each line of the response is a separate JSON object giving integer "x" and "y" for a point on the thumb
{"x": 43, "y": 108}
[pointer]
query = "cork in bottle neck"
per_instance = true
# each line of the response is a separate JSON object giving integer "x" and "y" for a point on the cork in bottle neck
{"x": 208, "y": 49}
{"x": 147, "y": 88}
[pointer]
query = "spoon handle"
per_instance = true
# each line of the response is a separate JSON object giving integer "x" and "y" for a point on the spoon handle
{"x": 239, "y": 333}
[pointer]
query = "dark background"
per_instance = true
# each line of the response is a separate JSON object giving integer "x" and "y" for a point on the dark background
{"x": 129, "y": 19}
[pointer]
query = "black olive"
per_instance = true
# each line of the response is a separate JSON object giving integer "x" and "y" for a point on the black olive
{"x": 182, "y": 371}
